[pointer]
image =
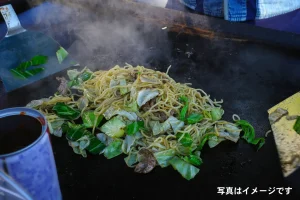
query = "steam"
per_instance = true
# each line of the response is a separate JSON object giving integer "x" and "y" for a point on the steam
{"x": 101, "y": 34}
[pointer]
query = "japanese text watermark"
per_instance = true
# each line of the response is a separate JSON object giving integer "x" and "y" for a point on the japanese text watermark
{"x": 252, "y": 191}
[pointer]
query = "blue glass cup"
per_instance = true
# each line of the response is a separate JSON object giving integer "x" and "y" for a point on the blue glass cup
{"x": 32, "y": 167}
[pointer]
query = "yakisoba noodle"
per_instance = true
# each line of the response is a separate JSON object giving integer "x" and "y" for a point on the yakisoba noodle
{"x": 170, "y": 91}
{"x": 102, "y": 91}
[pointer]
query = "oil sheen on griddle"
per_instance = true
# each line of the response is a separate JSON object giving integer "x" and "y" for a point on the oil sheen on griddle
{"x": 17, "y": 132}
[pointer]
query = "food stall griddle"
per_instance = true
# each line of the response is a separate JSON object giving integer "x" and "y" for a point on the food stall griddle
{"x": 250, "y": 68}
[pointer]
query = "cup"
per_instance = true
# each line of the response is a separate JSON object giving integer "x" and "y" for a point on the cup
{"x": 26, "y": 155}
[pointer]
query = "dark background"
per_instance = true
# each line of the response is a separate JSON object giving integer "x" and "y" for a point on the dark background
{"x": 18, "y": 5}
{"x": 250, "y": 68}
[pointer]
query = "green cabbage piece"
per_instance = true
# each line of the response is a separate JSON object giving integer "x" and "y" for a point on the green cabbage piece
{"x": 131, "y": 160}
{"x": 163, "y": 157}
{"x": 113, "y": 149}
{"x": 214, "y": 141}
{"x": 128, "y": 143}
{"x": 186, "y": 170}
{"x": 216, "y": 114}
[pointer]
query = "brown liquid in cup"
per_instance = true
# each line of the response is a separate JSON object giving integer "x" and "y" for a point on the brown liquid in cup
{"x": 17, "y": 132}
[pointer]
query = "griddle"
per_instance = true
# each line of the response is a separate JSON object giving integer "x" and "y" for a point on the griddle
{"x": 250, "y": 68}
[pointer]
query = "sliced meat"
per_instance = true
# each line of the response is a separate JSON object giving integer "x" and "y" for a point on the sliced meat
{"x": 63, "y": 86}
{"x": 133, "y": 75}
{"x": 173, "y": 112}
{"x": 277, "y": 115}
{"x": 148, "y": 105}
{"x": 147, "y": 161}
{"x": 292, "y": 117}
{"x": 161, "y": 116}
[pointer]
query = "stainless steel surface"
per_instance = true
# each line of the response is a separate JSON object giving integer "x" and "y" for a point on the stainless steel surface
{"x": 11, "y": 19}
